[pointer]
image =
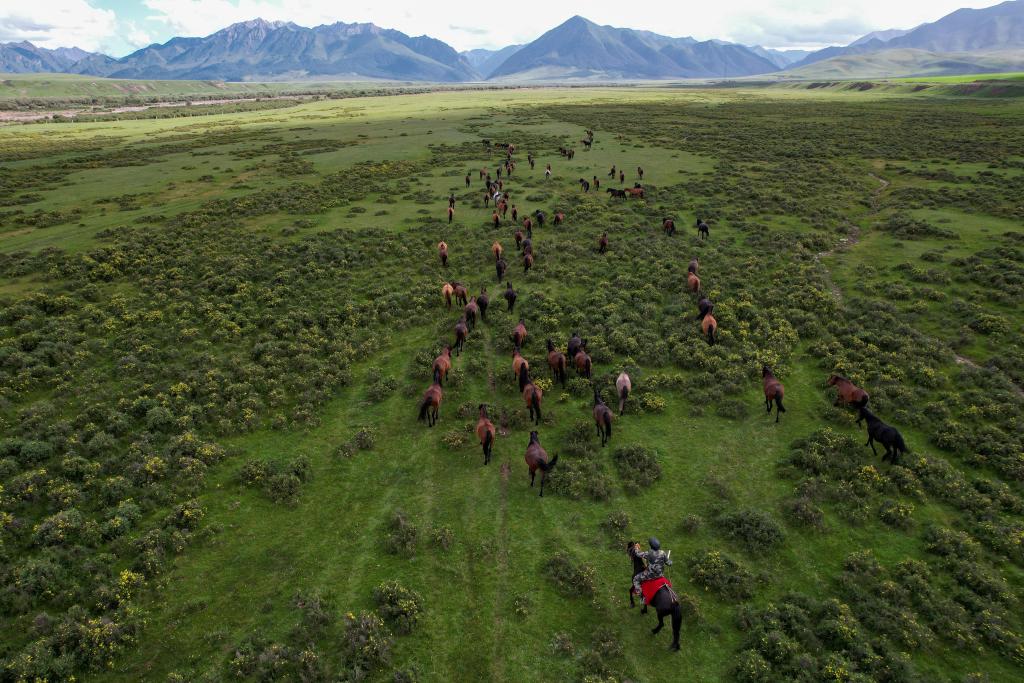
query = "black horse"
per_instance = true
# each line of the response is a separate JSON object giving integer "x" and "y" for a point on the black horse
{"x": 541, "y": 217}
{"x": 500, "y": 266}
{"x": 510, "y": 296}
{"x": 616, "y": 194}
{"x": 883, "y": 434}
{"x": 664, "y": 601}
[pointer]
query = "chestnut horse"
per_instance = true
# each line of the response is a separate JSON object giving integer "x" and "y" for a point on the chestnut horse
{"x": 602, "y": 243}
{"x": 518, "y": 235}
{"x": 537, "y": 458}
{"x": 557, "y": 363}
{"x": 669, "y": 226}
{"x": 773, "y": 391}
{"x": 532, "y": 395}
{"x": 623, "y": 385}
{"x": 470, "y": 311}
{"x": 461, "y": 332}
{"x": 693, "y": 282}
{"x": 446, "y": 291}
{"x": 496, "y": 249}
{"x": 848, "y": 392}
{"x": 461, "y": 293}
{"x": 602, "y": 418}
{"x": 431, "y": 403}
{"x": 485, "y": 432}
{"x": 635, "y": 192}
{"x": 559, "y": 218}
{"x": 527, "y": 262}
{"x": 519, "y": 333}
{"x": 709, "y": 326}
{"x": 443, "y": 363}
{"x": 582, "y": 361}
{"x": 442, "y": 251}
{"x": 518, "y": 365}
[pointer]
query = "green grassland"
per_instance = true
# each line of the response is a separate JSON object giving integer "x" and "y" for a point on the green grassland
{"x": 966, "y": 78}
{"x": 214, "y": 335}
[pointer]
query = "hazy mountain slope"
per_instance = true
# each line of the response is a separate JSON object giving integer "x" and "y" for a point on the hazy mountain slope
{"x": 910, "y": 62}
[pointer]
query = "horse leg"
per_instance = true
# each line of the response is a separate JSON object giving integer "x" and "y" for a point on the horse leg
{"x": 677, "y": 622}
{"x": 768, "y": 405}
{"x": 871, "y": 442}
{"x": 533, "y": 475}
{"x": 661, "y": 623}
{"x": 543, "y": 478}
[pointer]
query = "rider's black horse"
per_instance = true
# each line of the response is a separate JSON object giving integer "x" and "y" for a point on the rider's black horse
{"x": 663, "y": 601}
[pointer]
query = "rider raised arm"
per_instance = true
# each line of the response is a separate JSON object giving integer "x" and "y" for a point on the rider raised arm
{"x": 656, "y": 558}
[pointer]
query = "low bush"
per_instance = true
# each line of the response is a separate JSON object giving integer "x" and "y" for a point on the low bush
{"x": 637, "y": 465}
{"x": 398, "y": 605}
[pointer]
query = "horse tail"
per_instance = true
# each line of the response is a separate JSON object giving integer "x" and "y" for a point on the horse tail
{"x": 622, "y": 398}
{"x": 548, "y": 466}
{"x": 608, "y": 424}
{"x": 488, "y": 441}
{"x": 901, "y": 444}
{"x": 535, "y": 401}
{"x": 778, "y": 402}
{"x": 711, "y": 335}
{"x": 424, "y": 407}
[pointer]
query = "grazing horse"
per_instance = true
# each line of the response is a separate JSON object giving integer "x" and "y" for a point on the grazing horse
{"x": 500, "y": 266}
{"x": 537, "y": 458}
{"x": 575, "y": 344}
{"x": 602, "y": 418}
{"x": 461, "y": 332}
{"x": 584, "y": 366}
{"x": 616, "y": 194}
{"x": 496, "y": 249}
{"x": 884, "y": 434}
{"x": 703, "y": 231}
{"x": 446, "y": 291}
{"x": 483, "y": 301}
{"x": 431, "y": 402}
{"x": 442, "y": 251}
{"x": 519, "y": 333}
{"x": 694, "y": 265}
{"x": 518, "y": 365}
{"x": 704, "y": 306}
{"x": 557, "y": 363}
{"x": 693, "y": 282}
{"x": 461, "y": 293}
{"x": 443, "y": 363}
{"x": 602, "y": 243}
{"x": 623, "y": 385}
{"x": 470, "y": 310}
{"x": 527, "y": 263}
{"x": 485, "y": 432}
{"x": 773, "y": 391}
{"x": 669, "y": 226}
{"x": 848, "y": 392}
{"x": 510, "y": 296}
{"x": 709, "y": 326}
{"x": 559, "y": 218}
{"x": 664, "y": 601}
{"x": 532, "y": 395}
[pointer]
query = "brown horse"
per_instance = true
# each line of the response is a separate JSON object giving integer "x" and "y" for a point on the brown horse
{"x": 537, "y": 458}
{"x": 709, "y": 326}
{"x": 584, "y": 366}
{"x": 669, "y": 226}
{"x": 704, "y": 306}
{"x": 557, "y": 363}
{"x": 528, "y": 246}
{"x": 518, "y": 365}
{"x": 602, "y": 418}
{"x": 442, "y": 251}
{"x": 496, "y": 249}
{"x": 500, "y": 266}
{"x": 693, "y": 283}
{"x": 773, "y": 391}
{"x": 446, "y": 291}
{"x": 637, "y": 192}
{"x": 528, "y": 226}
{"x": 483, "y": 301}
{"x": 527, "y": 263}
{"x": 443, "y": 363}
{"x": 461, "y": 332}
{"x": 623, "y": 385}
{"x": 602, "y": 243}
{"x": 519, "y": 238}
{"x": 532, "y": 395}
{"x": 848, "y": 392}
{"x": 431, "y": 402}
{"x": 461, "y": 293}
{"x": 575, "y": 344}
{"x": 519, "y": 333}
{"x": 451, "y": 214}
{"x": 485, "y": 432}
{"x": 496, "y": 219}
{"x": 470, "y": 310}
{"x": 559, "y": 218}
{"x": 694, "y": 265}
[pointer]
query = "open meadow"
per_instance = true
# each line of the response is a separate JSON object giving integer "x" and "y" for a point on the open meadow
{"x": 215, "y": 333}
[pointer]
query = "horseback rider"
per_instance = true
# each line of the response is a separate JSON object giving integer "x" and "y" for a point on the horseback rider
{"x": 656, "y": 559}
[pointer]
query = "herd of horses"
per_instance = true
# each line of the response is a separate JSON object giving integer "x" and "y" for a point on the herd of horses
{"x": 576, "y": 354}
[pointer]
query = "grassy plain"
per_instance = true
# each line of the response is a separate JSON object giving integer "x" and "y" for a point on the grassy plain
{"x": 270, "y": 280}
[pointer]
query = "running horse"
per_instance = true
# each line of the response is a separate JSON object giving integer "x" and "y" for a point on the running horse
{"x": 537, "y": 459}
{"x": 443, "y": 363}
{"x": 446, "y": 291}
{"x": 557, "y": 363}
{"x": 664, "y": 600}
{"x": 602, "y": 418}
{"x": 884, "y": 434}
{"x": 442, "y": 252}
{"x": 773, "y": 391}
{"x": 431, "y": 402}
{"x": 623, "y": 385}
{"x": 847, "y": 392}
{"x": 709, "y": 327}
{"x": 485, "y": 432}
{"x": 532, "y": 395}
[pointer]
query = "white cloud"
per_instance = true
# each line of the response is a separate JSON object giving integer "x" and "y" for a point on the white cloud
{"x": 56, "y": 23}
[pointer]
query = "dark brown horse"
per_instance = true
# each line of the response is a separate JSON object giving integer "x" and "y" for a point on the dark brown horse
{"x": 510, "y": 296}
{"x": 703, "y": 231}
{"x": 847, "y": 392}
{"x": 527, "y": 262}
{"x": 559, "y": 218}
{"x": 557, "y": 363}
{"x": 519, "y": 364}
{"x": 584, "y": 366}
{"x": 485, "y": 432}
{"x": 664, "y": 601}
{"x": 519, "y": 333}
{"x": 694, "y": 265}
{"x": 575, "y": 344}
{"x": 461, "y": 293}
{"x": 693, "y": 283}
{"x": 709, "y": 326}
{"x": 773, "y": 391}
{"x": 602, "y": 243}
{"x": 519, "y": 237}
{"x": 537, "y": 458}
{"x": 500, "y": 266}
{"x": 470, "y": 311}
{"x": 443, "y": 363}
{"x": 532, "y": 395}
{"x": 461, "y": 332}
{"x": 431, "y": 402}
{"x": 669, "y": 226}
{"x": 602, "y": 418}
{"x": 483, "y": 301}
{"x": 442, "y": 251}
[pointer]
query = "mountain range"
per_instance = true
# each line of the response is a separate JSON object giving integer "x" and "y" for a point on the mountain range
{"x": 577, "y": 49}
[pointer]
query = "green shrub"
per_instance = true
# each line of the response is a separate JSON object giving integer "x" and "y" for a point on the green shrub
{"x": 398, "y": 605}
{"x": 637, "y": 465}
{"x": 715, "y": 571}
{"x": 756, "y": 531}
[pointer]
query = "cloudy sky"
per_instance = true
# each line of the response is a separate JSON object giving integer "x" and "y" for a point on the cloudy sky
{"x": 118, "y": 27}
